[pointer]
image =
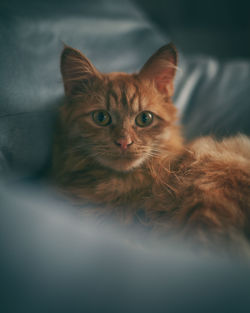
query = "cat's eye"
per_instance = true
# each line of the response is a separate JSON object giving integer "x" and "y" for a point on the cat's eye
{"x": 144, "y": 119}
{"x": 101, "y": 117}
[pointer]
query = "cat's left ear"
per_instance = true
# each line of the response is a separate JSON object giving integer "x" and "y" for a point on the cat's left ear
{"x": 161, "y": 69}
{"x": 77, "y": 71}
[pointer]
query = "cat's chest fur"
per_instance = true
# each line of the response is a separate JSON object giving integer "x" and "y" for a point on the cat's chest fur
{"x": 91, "y": 182}
{"x": 121, "y": 188}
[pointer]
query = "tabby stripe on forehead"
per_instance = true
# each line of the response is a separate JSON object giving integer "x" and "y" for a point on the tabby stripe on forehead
{"x": 110, "y": 93}
{"x": 124, "y": 100}
{"x": 136, "y": 94}
{"x": 133, "y": 99}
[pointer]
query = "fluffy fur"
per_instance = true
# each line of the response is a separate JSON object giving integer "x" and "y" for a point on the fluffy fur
{"x": 200, "y": 189}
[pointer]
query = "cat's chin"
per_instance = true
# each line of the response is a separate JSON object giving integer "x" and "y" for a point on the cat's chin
{"x": 122, "y": 165}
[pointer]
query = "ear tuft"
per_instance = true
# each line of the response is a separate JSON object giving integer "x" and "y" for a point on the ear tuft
{"x": 161, "y": 68}
{"x": 76, "y": 70}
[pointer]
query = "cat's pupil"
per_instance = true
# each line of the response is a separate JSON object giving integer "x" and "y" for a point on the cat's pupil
{"x": 102, "y": 116}
{"x": 145, "y": 117}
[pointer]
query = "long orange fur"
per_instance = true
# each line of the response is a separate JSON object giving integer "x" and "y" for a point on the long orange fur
{"x": 199, "y": 189}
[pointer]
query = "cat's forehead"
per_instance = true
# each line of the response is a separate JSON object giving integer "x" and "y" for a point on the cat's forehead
{"x": 125, "y": 93}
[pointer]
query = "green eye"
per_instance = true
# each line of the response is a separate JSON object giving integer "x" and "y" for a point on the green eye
{"x": 144, "y": 119}
{"x": 101, "y": 117}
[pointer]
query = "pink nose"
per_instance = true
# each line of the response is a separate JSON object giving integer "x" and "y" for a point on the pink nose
{"x": 123, "y": 143}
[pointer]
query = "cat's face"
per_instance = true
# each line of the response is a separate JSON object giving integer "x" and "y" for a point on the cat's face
{"x": 117, "y": 119}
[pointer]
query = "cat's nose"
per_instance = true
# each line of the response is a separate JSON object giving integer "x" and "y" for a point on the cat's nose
{"x": 124, "y": 143}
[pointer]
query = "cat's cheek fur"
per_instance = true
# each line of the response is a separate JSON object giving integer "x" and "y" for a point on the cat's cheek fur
{"x": 164, "y": 136}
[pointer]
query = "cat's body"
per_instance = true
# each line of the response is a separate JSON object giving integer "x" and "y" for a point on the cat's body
{"x": 118, "y": 147}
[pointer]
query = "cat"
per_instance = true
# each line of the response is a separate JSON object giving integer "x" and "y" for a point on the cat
{"x": 118, "y": 146}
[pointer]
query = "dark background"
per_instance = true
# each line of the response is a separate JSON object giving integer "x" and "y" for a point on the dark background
{"x": 216, "y": 27}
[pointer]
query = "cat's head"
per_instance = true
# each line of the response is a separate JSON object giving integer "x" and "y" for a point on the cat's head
{"x": 120, "y": 120}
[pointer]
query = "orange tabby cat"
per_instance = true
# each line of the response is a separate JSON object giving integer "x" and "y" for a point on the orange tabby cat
{"x": 118, "y": 146}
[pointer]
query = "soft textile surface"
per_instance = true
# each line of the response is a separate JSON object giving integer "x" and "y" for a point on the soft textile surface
{"x": 214, "y": 97}
{"x": 43, "y": 242}
{"x": 53, "y": 261}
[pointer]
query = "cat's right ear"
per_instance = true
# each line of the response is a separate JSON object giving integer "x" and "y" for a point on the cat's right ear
{"x": 77, "y": 71}
{"x": 161, "y": 69}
